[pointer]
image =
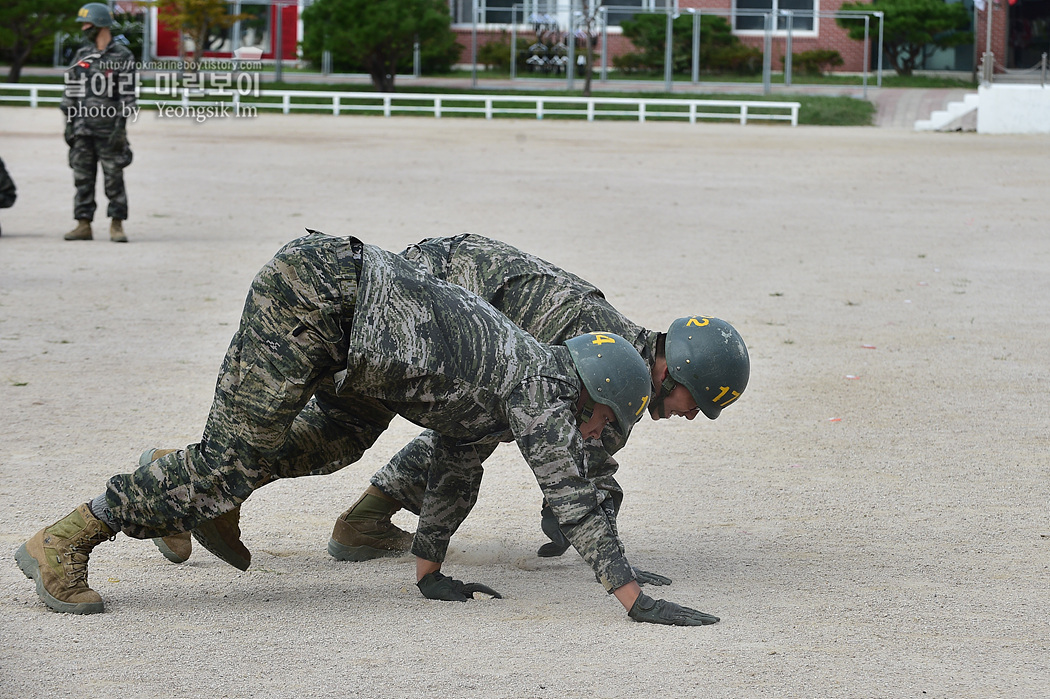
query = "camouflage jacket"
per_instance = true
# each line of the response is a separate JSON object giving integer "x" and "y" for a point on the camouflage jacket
{"x": 99, "y": 89}
{"x": 445, "y": 359}
{"x": 551, "y": 304}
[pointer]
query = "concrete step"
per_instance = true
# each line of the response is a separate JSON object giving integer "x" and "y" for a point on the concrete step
{"x": 942, "y": 119}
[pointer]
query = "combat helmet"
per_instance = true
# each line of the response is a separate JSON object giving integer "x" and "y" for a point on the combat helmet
{"x": 95, "y": 13}
{"x": 614, "y": 374}
{"x": 708, "y": 357}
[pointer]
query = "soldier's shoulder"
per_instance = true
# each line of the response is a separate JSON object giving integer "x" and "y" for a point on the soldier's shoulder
{"x": 120, "y": 52}
{"x": 80, "y": 53}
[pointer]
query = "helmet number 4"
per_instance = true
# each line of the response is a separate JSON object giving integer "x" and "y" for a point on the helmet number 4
{"x": 600, "y": 339}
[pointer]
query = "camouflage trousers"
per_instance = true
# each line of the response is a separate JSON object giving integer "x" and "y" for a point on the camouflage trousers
{"x": 439, "y": 476}
{"x": 86, "y": 153}
{"x": 275, "y": 412}
{"x": 442, "y": 477}
{"x": 8, "y": 193}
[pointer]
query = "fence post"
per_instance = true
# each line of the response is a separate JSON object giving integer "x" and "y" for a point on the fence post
{"x": 668, "y": 65}
{"x": 605, "y": 42}
{"x": 767, "y": 54}
{"x": 867, "y": 52}
{"x": 787, "y": 51}
{"x": 743, "y": 115}
{"x": 696, "y": 45}
{"x": 514, "y": 42}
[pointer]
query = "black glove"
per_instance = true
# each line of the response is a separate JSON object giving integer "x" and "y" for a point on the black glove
{"x": 658, "y": 611}
{"x": 645, "y": 578}
{"x": 437, "y": 586}
{"x": 549, "y": 524}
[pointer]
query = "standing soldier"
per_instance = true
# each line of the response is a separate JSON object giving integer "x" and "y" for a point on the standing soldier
{"x": 336, "y": 338}
{"x": 99, "y": 97}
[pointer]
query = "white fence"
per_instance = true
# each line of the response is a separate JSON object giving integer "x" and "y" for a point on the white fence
{"x": 438, "y": 105}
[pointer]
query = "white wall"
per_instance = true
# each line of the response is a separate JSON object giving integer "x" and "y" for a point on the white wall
{"x": 1013, "y": 109}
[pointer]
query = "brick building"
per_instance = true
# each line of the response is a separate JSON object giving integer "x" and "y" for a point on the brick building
{"x": 813, "y": 27}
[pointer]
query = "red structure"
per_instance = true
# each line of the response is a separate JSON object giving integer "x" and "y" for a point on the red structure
{"x": 257, "y": 30}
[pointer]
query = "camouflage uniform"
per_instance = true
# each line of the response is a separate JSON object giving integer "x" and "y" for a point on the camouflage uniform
{"x": 8, "y": 193}
{"x": 553, "y": 306}
{"x": 103, "y": 85}
{"x": 336, "y": 338}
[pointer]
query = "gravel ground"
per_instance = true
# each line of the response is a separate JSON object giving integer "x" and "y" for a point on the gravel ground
{"x": 868, "y": 520}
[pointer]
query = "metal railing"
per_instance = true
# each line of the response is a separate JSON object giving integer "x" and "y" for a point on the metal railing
{"x": 437, "y": 105}
{"x": 992, "y": 71}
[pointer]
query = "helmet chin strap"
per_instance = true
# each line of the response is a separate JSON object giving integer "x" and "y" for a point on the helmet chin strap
{"x": 657, "y": 404}
{"x": 587, "y": 411}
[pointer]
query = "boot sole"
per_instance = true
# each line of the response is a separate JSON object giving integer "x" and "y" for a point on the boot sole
{"x": 207, "y": 535}
{"x": 31, "y": 569}
{"x": 168, "y": 553}
{"x": 358, "y": 553}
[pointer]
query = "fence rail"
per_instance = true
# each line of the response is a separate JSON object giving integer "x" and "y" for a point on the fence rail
{"x": 437, "y": 105}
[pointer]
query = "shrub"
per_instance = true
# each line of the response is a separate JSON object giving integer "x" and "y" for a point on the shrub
{"x": 815, "y": 62}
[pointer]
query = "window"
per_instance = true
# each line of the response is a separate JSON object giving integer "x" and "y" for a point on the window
{"x": 749, "y": 15}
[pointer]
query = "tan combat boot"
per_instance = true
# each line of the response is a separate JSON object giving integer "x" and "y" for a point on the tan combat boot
{"x": 177, "y": 547}
{"x": 57, "y": 558}
{"x": 116, "y": 231}
{"x": 221, "y": 536}
{"x": 365, "y": 532}
{"x": 81, "y": 232}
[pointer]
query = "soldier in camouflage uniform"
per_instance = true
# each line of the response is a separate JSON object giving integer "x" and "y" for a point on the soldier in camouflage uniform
{"x": 99, "y": 98}
{"x": 551, "y": 304}
{"x": 8, "y": 192}
{"x": 336, "y": 338}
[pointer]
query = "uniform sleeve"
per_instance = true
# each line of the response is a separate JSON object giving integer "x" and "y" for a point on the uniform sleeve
{"x": 601, "y": 469}
{"x": 541, "y": 419}
{"x": 125, "y": 83}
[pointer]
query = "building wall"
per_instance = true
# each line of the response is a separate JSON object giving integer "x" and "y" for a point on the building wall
{"x": 830, "y": 36}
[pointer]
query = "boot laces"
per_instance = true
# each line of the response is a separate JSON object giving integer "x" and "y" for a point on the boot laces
{"x": 76, "y": 559}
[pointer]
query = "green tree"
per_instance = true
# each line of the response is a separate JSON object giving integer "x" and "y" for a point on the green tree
{"x": 25, "y": 23}
{"x": 719, "y": 48}
{"x": 913, "y": 28}
{"x": 379, "y": 35}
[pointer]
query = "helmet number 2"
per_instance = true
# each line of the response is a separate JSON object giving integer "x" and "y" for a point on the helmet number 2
{"x": 725, "y": 389}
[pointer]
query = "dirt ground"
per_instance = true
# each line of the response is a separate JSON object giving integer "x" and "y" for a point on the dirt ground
{"x": 868, "y": 520}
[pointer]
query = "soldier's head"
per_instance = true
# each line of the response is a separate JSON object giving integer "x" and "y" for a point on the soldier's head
{"x": 701, "y": 367}
{"x": 615, "y": 379}
{"x": 94, "y": 17}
